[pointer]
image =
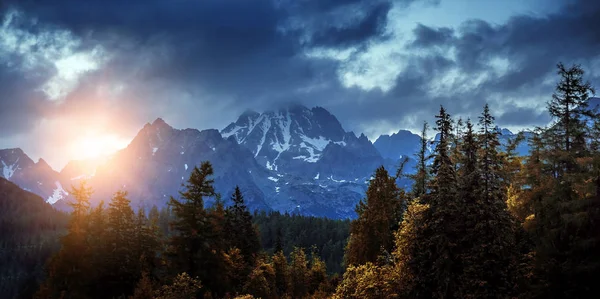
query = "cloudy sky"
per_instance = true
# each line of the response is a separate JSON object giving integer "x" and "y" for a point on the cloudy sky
{"x": 75, "y": 72}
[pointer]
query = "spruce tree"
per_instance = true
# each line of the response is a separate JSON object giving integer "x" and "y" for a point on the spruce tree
{"x": 69, "y": 270}
{"x": 240, "y": 230}
{"x": 569, "y": 105}
{"x": 190, "y": 245}
{"x": 299, "y": 275}
{"x": 282, "y": 275}
{"x": 421, "y": 177}
{"x": 429, "y": 242}
{"x": 122, "y": 273}
{"x": 566, "y": 216}
{"x": 489, "y": 253}
{"x": 372, "y": 234}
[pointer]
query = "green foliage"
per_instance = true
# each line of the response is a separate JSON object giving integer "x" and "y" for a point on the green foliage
{"x": 240, "y": 230}
{"x": 282, "y": 276}
{"x": 192, "y": 245}
{"x": 261, "y": 281}
{"x": 183, "y": 287}
{"x": 328, "y": 235}
{"x": 29, "y": 233}
{"x": 372, "y": 234}
{"x": 367, "y": 281}
{"x": 421, "y": 177}
{"x": 299, "y": 275}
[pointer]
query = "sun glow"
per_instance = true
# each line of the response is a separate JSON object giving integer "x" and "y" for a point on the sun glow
{"x": 92, "y": 146}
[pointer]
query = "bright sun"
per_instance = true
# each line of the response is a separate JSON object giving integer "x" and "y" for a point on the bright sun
{"x": 93, "y": 146}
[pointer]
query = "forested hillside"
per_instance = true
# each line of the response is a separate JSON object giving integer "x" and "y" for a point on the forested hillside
{"x": 29, "y": 234}
{"x": 480, "y": 221}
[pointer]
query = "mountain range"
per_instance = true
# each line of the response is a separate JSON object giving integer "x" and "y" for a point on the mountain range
{"x": 296, "y": 159}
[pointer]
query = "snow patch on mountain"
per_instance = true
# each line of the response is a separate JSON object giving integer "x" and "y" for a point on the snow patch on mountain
{"x": 266, "y": 125}
{"x": 9, "y": 170}
{"x": 284, "y": 127}
{"x": 58, "y": 193}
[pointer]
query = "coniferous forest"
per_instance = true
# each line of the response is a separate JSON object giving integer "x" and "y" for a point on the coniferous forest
{"x": 479, "y": 221}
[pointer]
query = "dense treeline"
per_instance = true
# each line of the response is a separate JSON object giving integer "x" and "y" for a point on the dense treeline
{"x": 29, "y": 231}
{"x": 285, "y": 232}
{"x": 479, "y": 222}
{"x": 485, "y": 223}
{"x": 109, "y": 251}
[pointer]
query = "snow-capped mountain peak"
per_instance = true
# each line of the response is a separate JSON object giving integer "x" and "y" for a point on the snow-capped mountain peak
{"x": 292, "y": 133}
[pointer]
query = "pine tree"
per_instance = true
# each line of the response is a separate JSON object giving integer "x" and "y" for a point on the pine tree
{"x": 299, "y": 275}
{"x": 566, "y": 216}
{"x": 317, "y": 274}
{"x": 190, "y": 245}
{"x": 489, "y": 253}
{"x": 261, "y": 281}
{"x": 490, "y": 159}
{"x": 421, "y": 176}
{"x": 372, "y": 234}
{"x": 122, "y": 273}
{"x": 99, "y": 252}
{"x": 282, "y": 278}
{"x": 217, "y": 242}
{"x": 69, "y": 270}
{"x": 240, "y": 230}
{"x": 569, "y": 105}
{"x": 429, "y": 249}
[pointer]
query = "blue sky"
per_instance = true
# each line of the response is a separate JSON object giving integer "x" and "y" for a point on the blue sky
{"x": 74, "y": 71}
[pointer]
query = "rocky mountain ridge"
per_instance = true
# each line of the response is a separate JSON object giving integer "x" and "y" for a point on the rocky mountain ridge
{"x": 295, "y": 159}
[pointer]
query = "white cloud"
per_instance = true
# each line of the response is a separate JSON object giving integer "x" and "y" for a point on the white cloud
{"x": 48, "y": 49}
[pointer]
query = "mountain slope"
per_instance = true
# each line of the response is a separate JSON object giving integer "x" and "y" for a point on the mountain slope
{"x": 38, "y": 178}
{"x": 398, "y": 145}
{"x": 159, "y": 160}
{"x": 29, "y": 231}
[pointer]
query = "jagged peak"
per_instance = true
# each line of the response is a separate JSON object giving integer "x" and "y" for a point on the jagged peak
{"x": 42, "y": 162}
{"x": 16, "y": 150}
{"x": 159, "y": 122}
{"x": 249, "y": 113}
{"x": 363, "y": 137}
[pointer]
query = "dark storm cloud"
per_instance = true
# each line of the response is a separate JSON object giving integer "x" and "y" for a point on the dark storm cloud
{"x": 427, "y": 37}
{"x": 525, "y": 117}
{"x": 243, "y": 54}
{"x": 240, "y": 50}
{"x": 354, "y": 32}
{"x": 20, "y": 107}
{"x": 531, "y": 46}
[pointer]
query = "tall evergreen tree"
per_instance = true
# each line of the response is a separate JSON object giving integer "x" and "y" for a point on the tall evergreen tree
{"x": 70, "y": 269}
{"x": 566, "y": 216}
{"x": 428, "y": 253}
{"x": 489, "y": 253}
{"x": 421, "y": 177}
{"x": 372, "y": 234}
{"x": 191, "y": 249}
{"x": 240, "y": 230}
{"x": 122, "y": 273}
{"x": 299, "y": 275}
{"x": 282, "y": 275}
{"x": 491, "y": 163}
{"x": 569, "y": 105}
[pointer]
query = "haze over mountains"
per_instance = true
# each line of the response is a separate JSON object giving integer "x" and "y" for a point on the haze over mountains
{"x": 296, "y": 159}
